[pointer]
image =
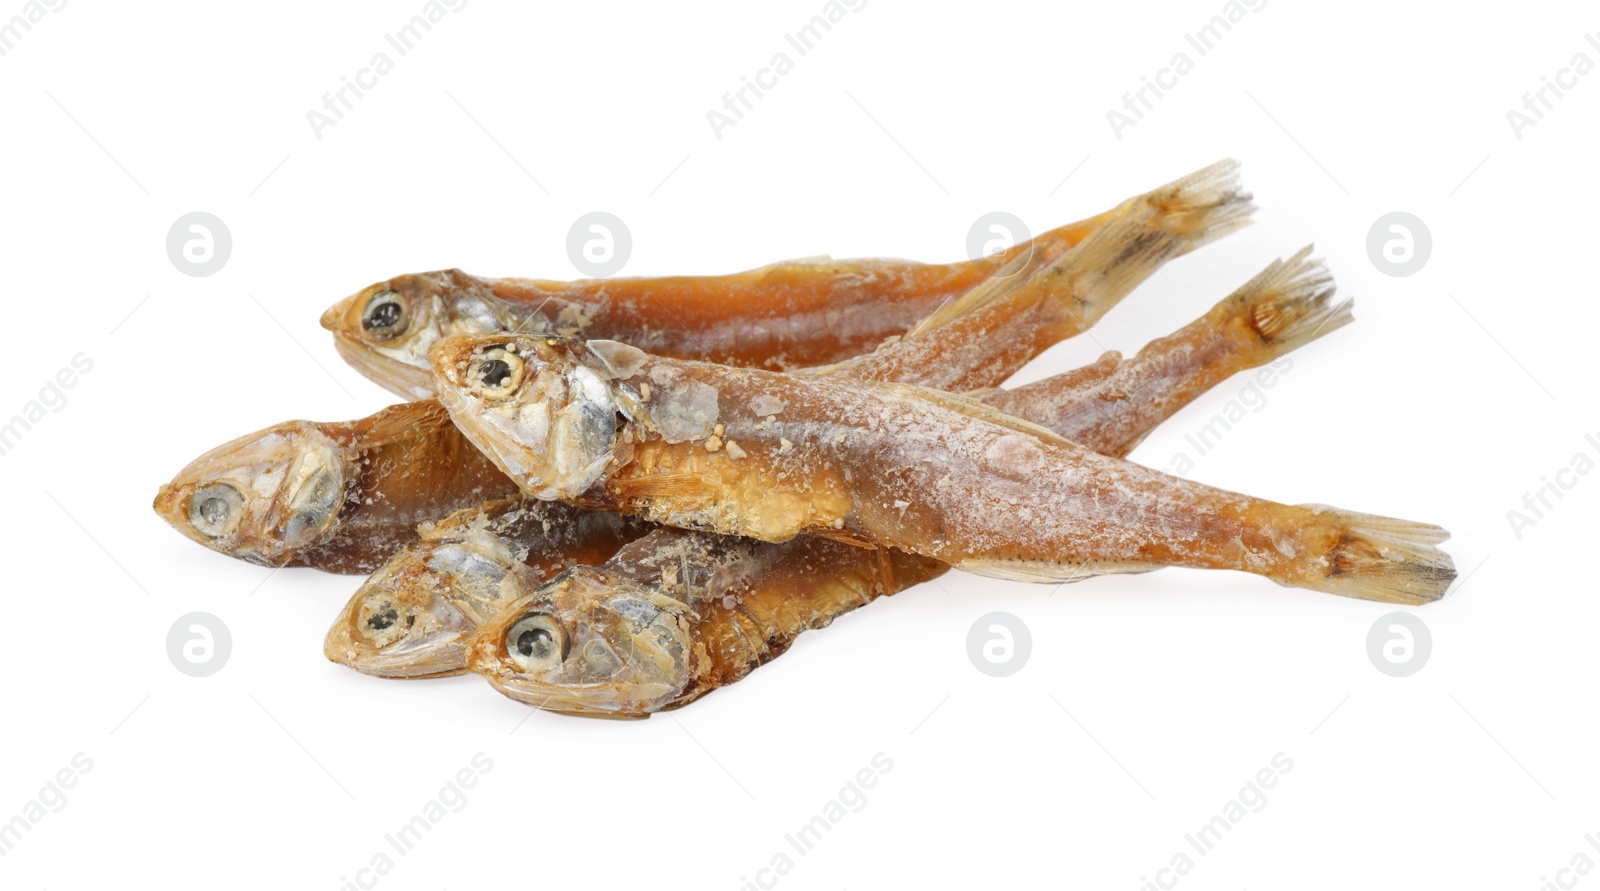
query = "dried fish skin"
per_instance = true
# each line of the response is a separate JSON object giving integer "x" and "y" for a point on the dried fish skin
{"x": 415, "y": 615}
{"x": 341, "y": 497}
{"x": 784, "y": 316}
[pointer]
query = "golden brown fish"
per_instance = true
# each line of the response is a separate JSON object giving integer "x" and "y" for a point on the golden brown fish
{"x": 771, "y": 455}
{"x": 439, "y": 587}
{"x": 779, "y": 317}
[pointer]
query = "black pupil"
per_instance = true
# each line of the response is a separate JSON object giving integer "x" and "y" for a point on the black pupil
{"x": 495, "y": 372}
{"x": 214, "y": 511}
{"x": 383, "y": 620}
{"x": 382, "y": 315}
{"x": 535, "y": 641}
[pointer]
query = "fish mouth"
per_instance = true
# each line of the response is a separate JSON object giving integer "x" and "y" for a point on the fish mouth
{"x": 163, "y": 504}
{"x": 398, "y": 376}
{"x": 332, "y": 315}
{"x": 620, "y": 703}
{"x": 594, "y": 699}
{"x": 432, "y": 641}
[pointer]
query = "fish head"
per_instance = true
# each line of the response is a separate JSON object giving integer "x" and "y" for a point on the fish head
{"x": 416, "y": 615}
{"x": 588, "y": 642}
{"x": 384, "y": 331}
{"x": 542, "y": 407}
{"x": 264, "y": 497}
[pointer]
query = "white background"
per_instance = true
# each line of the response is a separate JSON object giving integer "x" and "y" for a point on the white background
{"x": 1147, "y": 703}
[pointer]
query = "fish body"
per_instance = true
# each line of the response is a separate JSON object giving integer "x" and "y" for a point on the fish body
{"x": 780, "y": 317}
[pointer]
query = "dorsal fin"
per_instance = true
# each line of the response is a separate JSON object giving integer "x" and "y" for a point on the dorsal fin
{"x": 1004, "y": 282}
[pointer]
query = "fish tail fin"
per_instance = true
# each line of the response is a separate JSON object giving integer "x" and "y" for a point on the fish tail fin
{"x": 1203, "y": 206}
{"x": 1379, "y": 558}
{"x": 1210, "y": 198}
{"x": 1285, "y": 306}
{"x": 1146, "y": 232}
{"x": 1132, "y": 242}
{"x": 1087, "y": 281}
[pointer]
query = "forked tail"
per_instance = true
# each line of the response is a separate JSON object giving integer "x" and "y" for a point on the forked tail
{"x": 1173, "y": 220}
{"x": 1378, "y": 558}
{"x": 1113, "y": 404}
{"x": 1136, "y": 239}
{"x": 1201, "y": 207}
{"x": 1286, "y": 306}
{"x": 1210, "y": 197}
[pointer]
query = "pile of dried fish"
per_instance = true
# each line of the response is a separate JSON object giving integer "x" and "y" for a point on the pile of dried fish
{"x": 612, "y": 497}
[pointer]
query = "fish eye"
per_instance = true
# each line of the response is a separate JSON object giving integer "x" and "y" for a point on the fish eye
{"x": 384, "y": 316}
{"x": 536, "y": 642}
{"x": 497, "y": 372}
{"x": 214, "y": 510}
{"x": 379, "y": 620}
